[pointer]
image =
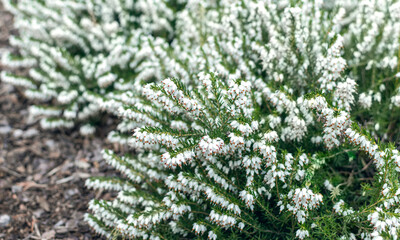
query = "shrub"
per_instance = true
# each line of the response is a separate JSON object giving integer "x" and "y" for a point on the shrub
{"x": 265, "y": 141}
{"x": 217, "y": 168}
{"x": 75, "y": 48}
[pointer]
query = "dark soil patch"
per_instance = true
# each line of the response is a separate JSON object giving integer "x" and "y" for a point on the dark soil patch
{"x": 42, "y": 173}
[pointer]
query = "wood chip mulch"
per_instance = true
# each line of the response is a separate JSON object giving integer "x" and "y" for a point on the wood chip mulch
{"x": 42, "y": 173}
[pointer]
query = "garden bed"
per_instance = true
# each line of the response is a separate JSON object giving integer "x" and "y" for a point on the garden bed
{"x": 42, "y": 173}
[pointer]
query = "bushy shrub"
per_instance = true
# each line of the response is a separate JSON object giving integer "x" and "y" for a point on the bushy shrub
{"x": 265, "y": 141}
{"x": 212, "y": 165}
{"x": 254, "y": 120}
{"x": 76, "y": 48}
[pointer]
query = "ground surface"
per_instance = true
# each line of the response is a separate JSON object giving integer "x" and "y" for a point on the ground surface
{"x": 42, "y": 173}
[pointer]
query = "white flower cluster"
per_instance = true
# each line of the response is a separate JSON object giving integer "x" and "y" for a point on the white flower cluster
{"x": 225, "y": 221}
{"x": 365, "y": 100}
{"x": 334, "y": 126}
{"x": 396, "y": 159}
{"x": 247, "y": 198}
{"x": 87, "y": 130}
{"x": 301, "y": 234}
{"x": 339, "y": 209}
{"x": 303, "y": 200}
{"x": 199, "y": 229}
{"x": 239, "y": 94}
{"x": 190, "y": 105}
{"x": 384, "y": 223}
{"x": 178, "y": 160}
{"x": 364, "y": 144}
{"x": 209, "y": 147}
{"x": 331, "y": 66}
{"x": 344, "y": 94}
{"x": 149, "y": 139}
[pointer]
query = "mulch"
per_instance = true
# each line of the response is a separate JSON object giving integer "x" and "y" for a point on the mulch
{"x": 42, "y": 173}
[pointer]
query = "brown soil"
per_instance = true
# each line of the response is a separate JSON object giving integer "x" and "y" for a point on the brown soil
{"x": 42, "y": 173}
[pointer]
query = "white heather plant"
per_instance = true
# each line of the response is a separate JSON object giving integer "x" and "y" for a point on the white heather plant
{"x": 211, "y": 166}
{"x": 250, "y": 119}
{"x": 75, "y": 48}
{"x": 263, "y": 142}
